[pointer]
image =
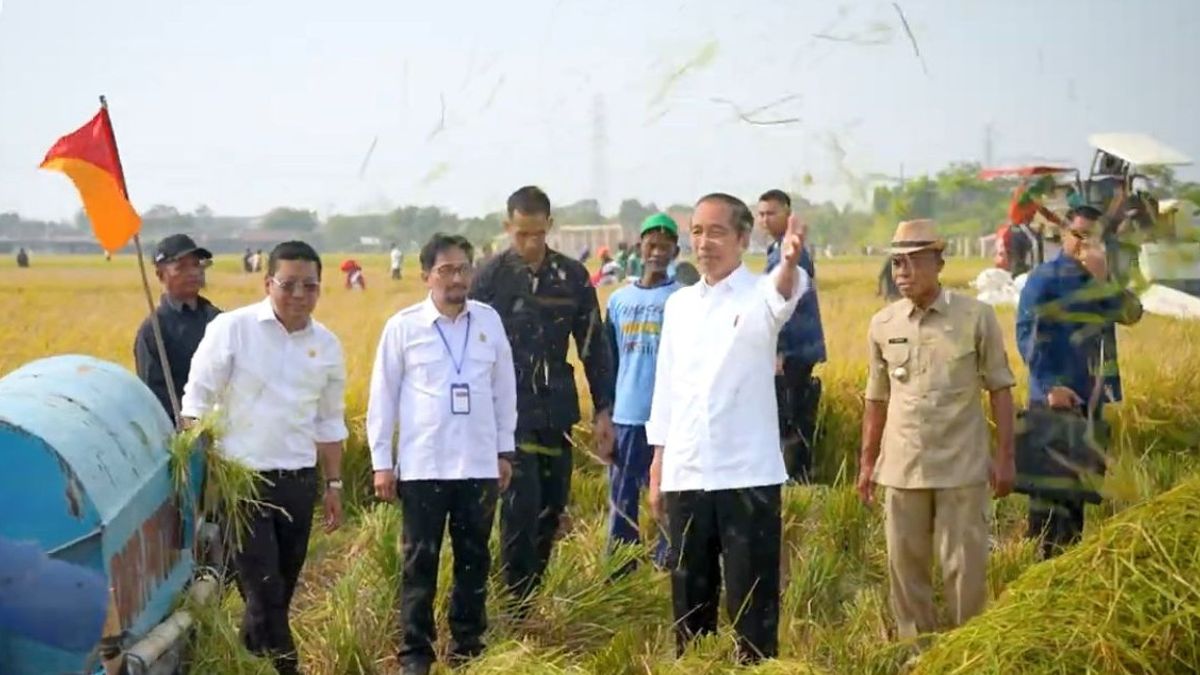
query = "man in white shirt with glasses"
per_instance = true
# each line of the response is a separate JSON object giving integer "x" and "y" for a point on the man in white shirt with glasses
{"x": 444, "y": 374}
{"x": 276, "y": 379}
{"x": 717, "y": 469}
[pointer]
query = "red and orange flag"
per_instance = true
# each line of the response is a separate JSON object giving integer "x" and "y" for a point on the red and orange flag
{"x": 88, "y": 156}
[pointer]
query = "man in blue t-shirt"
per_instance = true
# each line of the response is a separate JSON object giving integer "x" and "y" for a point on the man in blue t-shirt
{"x": 633, "y": 325}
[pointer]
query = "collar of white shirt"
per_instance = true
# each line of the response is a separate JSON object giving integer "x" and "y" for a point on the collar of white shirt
{"x": 430, "y": 313}
{"x": 738, "y": 279}
{"x": 266, "y": 312}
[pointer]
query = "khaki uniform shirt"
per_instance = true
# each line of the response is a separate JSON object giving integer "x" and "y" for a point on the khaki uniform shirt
{"x": 929, "y": 366}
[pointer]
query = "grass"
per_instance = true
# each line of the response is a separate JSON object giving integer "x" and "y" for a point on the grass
{"x": 834, "y": 617}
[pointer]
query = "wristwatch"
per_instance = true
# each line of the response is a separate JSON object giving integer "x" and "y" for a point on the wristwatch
{"x": 334, "y": 484}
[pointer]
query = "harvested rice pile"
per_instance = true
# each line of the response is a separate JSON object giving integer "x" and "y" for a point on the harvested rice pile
{"x": 1127, "y": 599}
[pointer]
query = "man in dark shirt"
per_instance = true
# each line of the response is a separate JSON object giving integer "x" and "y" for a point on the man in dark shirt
{"x": 544, "y": 298}
{"x": 183, "y": 315}
{"x": 1066, "y": 333}
{"x": 800, "y": 348}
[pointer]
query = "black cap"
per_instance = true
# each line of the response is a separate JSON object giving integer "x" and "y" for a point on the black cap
{"x": 176, "y": 246}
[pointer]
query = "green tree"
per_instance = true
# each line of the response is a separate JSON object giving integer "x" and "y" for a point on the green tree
{"x": 285, "y": 218}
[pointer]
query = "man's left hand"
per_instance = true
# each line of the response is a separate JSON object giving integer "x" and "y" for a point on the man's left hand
{"x": 506, "y": 471}
{"x": 1002, "y": 476}
{"x": 603, "y": 436}
{"x": 333, "y": 509}
{"x": 793, "y": 240}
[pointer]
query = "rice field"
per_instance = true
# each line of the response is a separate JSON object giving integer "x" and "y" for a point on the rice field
{"x": 834, "y": 616}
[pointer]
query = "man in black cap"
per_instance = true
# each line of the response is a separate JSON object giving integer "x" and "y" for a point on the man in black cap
{"x": 183, "y": 315}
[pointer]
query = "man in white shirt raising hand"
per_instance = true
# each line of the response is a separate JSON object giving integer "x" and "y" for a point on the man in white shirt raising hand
{"x": 717, "y": 469}
{"x": 444, "y": 373}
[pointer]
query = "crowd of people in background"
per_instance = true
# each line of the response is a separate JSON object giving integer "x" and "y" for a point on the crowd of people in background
{"x": 704, "y": 398}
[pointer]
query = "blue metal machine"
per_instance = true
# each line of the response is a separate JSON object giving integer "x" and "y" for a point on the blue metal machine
{"x": 86, "y": 503}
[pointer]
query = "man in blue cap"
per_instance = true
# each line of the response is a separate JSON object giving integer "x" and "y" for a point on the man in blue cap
{"x": 801, "y": 347}
{"x": 633, "y": 324}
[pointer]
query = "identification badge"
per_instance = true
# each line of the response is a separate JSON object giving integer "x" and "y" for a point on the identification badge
{"x": 460, "y": 399}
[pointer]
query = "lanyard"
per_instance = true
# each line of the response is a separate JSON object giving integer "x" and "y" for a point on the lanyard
{"x": 458, "y": 363}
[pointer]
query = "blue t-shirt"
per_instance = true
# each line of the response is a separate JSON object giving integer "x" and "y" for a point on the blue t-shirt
{"x": 634, "y": 326}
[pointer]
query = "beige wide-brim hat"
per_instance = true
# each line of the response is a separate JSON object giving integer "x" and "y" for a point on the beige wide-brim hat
{"x": 916, "y": 235}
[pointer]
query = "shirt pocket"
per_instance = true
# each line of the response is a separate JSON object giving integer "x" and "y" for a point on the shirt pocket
{"x": 954, "y": 364}
{"x": 477, "y": 370}
{"x": 898, "y": 357}
{"x": 426, "y": 365}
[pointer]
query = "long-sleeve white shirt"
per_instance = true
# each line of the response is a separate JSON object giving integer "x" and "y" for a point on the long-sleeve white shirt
{"x": 411, "y": 386}
{"x": 276, "y": 394}
{"x": 714, "y": 410}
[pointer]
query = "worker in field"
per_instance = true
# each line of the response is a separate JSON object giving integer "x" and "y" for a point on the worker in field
{"x": 801, "y": 347}
{"x": 633, "y": 325}
{"x": 444, "y": 377}
{"x": 277, "y": 379}
{"x": 1066, "y": 333}
{"x": 397, "y": 262}
{"x": 544, "y": 298}
{"x": 717, "y": 469}
{"x": 1022, "y": 242}
{"x": 183, "y": 315}
{"x": 22, "y": 258}
{"x": 925, "y": 436}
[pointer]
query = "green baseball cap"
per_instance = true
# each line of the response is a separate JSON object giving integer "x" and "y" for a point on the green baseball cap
{"x": 660, "y": 221}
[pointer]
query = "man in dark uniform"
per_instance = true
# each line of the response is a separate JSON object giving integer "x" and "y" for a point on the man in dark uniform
{"x": 544, "y": 298}
{"x": 183, "y": 316}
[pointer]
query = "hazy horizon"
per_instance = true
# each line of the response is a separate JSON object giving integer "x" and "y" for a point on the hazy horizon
{"x": 244, "y": 108}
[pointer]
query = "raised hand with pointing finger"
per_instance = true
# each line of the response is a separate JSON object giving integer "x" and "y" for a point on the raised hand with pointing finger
{"x": 793, "y": 240}
{"x": 791, "y": 247}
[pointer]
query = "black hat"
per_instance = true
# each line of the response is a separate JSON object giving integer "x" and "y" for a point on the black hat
{"x": 176, "y": 246}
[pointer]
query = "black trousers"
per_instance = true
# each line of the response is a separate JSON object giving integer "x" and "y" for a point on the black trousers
{"x": 740, "y": 530}
{"x": 1057, "y": 523}
{"x": 531, "y": 507}
{"x": 269, "y": 561}
{"x": 469, "y": 506}
{"x": 797, "y": 398}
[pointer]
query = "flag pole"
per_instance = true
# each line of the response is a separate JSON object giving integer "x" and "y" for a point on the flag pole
{"x": 154, "y": 323}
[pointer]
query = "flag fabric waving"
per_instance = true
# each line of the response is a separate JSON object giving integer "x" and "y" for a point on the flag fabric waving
{"x": 88, "y": 156}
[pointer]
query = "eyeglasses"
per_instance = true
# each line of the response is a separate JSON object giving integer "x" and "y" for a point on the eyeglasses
{"x": 1082, "y": 236}
{"x": 450, "y": 271}
{"x": 309, "y": 286}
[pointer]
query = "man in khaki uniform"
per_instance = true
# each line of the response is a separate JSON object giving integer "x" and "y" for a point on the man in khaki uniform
{"x": 930, "y": 352}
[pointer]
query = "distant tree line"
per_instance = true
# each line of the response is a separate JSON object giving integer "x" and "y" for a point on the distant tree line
{"x": 963, "y": 204}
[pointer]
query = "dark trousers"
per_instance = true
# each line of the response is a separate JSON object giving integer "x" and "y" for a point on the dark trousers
{"x": 797, "y": 397}
{"x": 628, "y": 474}
{"x": 531, "y": 507}
{"x": 469, "y": 506}
{"x": 739, "y": 530}
{"x": 269, "y": 561}
{"x": 1057, "y": 523}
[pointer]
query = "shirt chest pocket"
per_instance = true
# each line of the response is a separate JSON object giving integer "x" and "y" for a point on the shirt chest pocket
{"x": 477, "y": 369}
{"x": 897, "y": 357}
{"x": 953, "y": 363}
{"x": 428, "y": 367}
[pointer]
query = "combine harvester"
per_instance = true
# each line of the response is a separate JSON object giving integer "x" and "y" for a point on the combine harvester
{"x": 1160, "y": 240}
{"x": 96, "y": 543}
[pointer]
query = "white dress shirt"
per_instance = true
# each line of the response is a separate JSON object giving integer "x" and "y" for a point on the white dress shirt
{"x": 411, "y": 382}
{"x": 714, "y": 409}
{"x": 276, "y": 394}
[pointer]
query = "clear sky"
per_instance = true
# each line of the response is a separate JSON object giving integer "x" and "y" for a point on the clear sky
{"x": 245, "y": 105}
